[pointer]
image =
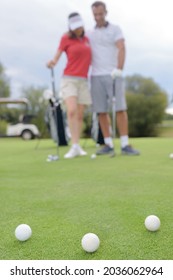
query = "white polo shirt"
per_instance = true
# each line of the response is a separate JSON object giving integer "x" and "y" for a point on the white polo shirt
{"x": 104, "y": 51}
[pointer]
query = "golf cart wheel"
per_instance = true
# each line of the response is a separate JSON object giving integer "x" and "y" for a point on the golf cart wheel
{"x": 27, "y": 135}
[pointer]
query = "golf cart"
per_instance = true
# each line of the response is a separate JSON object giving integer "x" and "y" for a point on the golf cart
{"x": 22, "y": 128}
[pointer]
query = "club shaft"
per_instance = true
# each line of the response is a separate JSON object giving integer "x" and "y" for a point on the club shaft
{"x": 55, "y": 108}
{"x": 53, "y": 82}
{"x": 113, "y": 110}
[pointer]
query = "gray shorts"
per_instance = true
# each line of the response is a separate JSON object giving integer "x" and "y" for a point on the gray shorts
{"x": 102, "y": 91}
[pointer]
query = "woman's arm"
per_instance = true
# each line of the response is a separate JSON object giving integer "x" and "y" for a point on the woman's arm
{"x": 53, "y": 62}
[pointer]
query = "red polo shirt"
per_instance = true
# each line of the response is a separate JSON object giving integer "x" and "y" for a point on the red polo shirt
{"x": 78, "y": 53}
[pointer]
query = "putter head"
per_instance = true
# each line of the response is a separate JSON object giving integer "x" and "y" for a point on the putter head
{"x": 112, "y": 154}
{"x": 52, "y": 158}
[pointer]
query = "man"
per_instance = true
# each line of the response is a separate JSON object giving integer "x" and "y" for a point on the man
{"x": 108, "y": 57}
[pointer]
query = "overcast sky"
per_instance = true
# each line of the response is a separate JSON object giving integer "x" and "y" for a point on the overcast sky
{"x": 30, "y": 31}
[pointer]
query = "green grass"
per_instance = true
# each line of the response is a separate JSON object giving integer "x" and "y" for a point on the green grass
{"x": 63, "y": 200}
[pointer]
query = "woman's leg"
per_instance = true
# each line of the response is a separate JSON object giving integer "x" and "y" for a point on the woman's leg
{"x": 81, "y": 109}
{"x": 72, "y": 116}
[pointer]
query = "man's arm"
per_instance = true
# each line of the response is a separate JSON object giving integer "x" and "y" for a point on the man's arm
{"x": 120, "y": 44}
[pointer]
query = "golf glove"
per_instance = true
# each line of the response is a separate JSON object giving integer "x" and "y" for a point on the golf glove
{"x": 116, "y": 73}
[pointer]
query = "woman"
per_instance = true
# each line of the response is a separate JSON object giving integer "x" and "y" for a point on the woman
{"x": 74, "y": 86}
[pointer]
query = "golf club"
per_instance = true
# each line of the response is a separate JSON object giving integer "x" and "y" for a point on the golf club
{"x": 54, "y": 106}
{"x": 113, "y": 113}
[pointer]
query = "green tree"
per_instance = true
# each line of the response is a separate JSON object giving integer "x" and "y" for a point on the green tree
{"x": 4, "y": 92}
{"x": 37, "y": 106}
{"x": 146, "y": 105}
{"x": 4, "y": 83}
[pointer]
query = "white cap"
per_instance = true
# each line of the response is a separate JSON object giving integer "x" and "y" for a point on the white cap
{"x": 75, "y": 22}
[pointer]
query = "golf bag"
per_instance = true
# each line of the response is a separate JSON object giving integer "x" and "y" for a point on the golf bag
{"x": 57, "y": 118}
{"x": 62, "y": 128}
{"x": 57, "y": 124}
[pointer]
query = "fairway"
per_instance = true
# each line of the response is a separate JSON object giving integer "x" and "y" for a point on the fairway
{"x": 65, "y": 199}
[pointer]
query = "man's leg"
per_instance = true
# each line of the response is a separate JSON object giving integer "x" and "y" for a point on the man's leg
{"x": 99, "y": 91}
{"x": 104, "y": 122}
{"x": 122, "y": 124}
{"x": 122, "y": 119}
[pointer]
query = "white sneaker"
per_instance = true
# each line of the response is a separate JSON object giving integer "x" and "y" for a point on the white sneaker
{"x": 73, "y": 152}
{"x": 82, "y": 152}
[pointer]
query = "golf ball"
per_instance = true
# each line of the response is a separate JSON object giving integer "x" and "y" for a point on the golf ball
{"x": 90, "y": 242}
{"x": 152, "y": 223}
{"x": 50, "y": 156}
{"x": 171, "y": 156}
{"x": 93, "y": 156}
{"x": 23, "y": 232}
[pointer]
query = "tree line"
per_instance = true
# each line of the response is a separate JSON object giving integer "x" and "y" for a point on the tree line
{"x": 146, "y": 102}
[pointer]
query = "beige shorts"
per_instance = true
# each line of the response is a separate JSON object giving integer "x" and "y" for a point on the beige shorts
{"x": 75, "y": 87}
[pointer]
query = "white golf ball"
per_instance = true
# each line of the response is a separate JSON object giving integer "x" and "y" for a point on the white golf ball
{"x": 171, "y": 156}
{"x": 50, "y": 156}
{"x": 93, "y": 156}
{"x": 23, "y": 232}
{"x": 90, "y": 242}
{"x": 152, "y": 223}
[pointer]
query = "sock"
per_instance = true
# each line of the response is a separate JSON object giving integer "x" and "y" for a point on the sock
{"x": 75, "y": 145}
{"x": 108, "y": 141}
{"x": 124, "y": 140}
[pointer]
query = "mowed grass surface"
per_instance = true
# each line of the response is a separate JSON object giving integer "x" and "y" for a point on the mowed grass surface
{"x": 63, "y": 200}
